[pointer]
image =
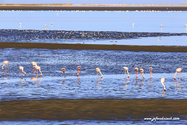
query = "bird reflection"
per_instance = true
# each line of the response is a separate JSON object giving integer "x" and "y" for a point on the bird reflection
{"x": 151, "y": 80}
{"x": 22, "y": 82}
{"x": 142, "y": 82}
{"x": 126, "y": 82}
{"x": 163, "y": 93}
{"x": 78, "y": 80}
{"x": 99, "y": 80}
{"x": 136, "y": 85}
{"x": 5, "y": 79}
{"x": 63, "y": 79}
{"x": 178, "y": 82}
{"x": 36, "y": 79}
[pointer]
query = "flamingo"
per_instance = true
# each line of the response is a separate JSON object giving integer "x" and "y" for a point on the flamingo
{"x": 141, "y": 70}
{"x": 136, "y": 69}
{"x": 177, "y": 70}
{"x": 162, "y": 81}
{"x": 79, "y": 68}
{"x": 63, "y": 70}
{"x": 34, "y": 64}
{"x": 5, "y": 63}
{"x": 150, "y": 69}
{"x": 126, "y": 69}
{"x": 21, "y": 69}
{"x": 38, "y": 69}
{"x": 98, "y": 70}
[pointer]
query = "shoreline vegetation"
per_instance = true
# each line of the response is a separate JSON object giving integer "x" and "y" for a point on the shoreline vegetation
{"x": 78, "y": 46}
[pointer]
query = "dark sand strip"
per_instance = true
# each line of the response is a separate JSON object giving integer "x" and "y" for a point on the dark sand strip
{"x": 92, "y": 109}
{"x": 94, "y": 46}
{"x": 168, "y": 8}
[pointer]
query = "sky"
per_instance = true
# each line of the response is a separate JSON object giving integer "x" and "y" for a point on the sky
{"x": 95, "y": 1}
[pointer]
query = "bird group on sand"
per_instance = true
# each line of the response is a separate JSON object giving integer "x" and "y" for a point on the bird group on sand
{"x": 98, "y": 70}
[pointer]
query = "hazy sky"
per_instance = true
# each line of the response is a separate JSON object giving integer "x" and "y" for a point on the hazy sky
{"x": 93, "y": 1}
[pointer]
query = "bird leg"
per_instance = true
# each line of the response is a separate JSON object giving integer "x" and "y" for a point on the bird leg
{"x": 128, "y": 73}
{"x": 101, "y": 74}
{"x": 174, "y": 75}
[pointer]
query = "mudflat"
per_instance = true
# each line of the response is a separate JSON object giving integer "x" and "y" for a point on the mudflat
{"x": 95, "y": 46}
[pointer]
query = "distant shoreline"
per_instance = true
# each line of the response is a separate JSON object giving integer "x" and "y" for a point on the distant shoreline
{"x": 135, "y": 48}
{"x": 98, "y": 8}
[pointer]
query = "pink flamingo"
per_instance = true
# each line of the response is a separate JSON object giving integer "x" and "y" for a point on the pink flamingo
{"x": 162, "y": 80}
{"x": 21, "y": 69}
{"x": 63, "y": 70}
{"x": 177, "y": 71}
{"x": 98, "y": 70}
{"x": 5, "y": 63}
{"x": 34, "y": 64}
{"x": 136, "y": 69}
{"x": 79, "y": 68}
{"x": 126, "y": 69}
{"x": 38, "y": 69}
{"x": 150, "y": 70}
{"x": 141, "y": 70}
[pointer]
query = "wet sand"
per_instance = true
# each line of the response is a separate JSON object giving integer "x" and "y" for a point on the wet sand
{"x": 95, "y": 46}
{"x": 167, "y": 8}
{"x": 92, "y": 109}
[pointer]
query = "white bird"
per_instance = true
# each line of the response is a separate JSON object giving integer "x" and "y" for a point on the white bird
{"x": 5, "y": 63}
{"x": 150, "y": 70}
{"x": 162, "y": 80}
{"x": 126, "y": 70}
{"x": 98, "y": 70}
{"x": 21, "y": 69}
{"x": 141, "y": 70}
{"x": 177, "y": 71}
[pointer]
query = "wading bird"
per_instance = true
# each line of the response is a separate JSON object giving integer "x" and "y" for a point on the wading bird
{"x": 162, "y": 81}
{"x": 136, "y": 69}
{"x": 79, "y": 68}
{"x": 38, "y": 70}
{"x": 98, "y": 70}
{"x": 63, "y": 70}
{"x": 126, "y": 70}
{"x": 34, "y": 64}
{"x": 5, "y": 63}
{"x": 21, "y": 69}
{"x": 141, "y": 70}
{"x": 177, "y": 71}
{"x": 150, "y": 70}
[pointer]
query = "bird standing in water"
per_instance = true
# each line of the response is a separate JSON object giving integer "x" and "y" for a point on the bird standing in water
{"x": 178, "y": 70}
{"x": 162, "y": 80}
{"x": 21, "y": 69}
{"x": 98, "y": 70}
{"x": 136, "y": 69}
{"x": 5, "y": 63}
{"x": 38, "y": 70}
{"x": 126, "y": 70}
{"x": 141, "y": 70}
{"x": 79, "y": 68}
{"x": 150, "y": 70}
{"x": 63, "y": 70}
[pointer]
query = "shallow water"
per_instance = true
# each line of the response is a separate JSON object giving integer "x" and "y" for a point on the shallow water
{"x": 55, "y": 85}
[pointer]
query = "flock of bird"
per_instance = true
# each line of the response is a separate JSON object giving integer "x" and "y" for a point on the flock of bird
{"x": 38, "y": 69}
